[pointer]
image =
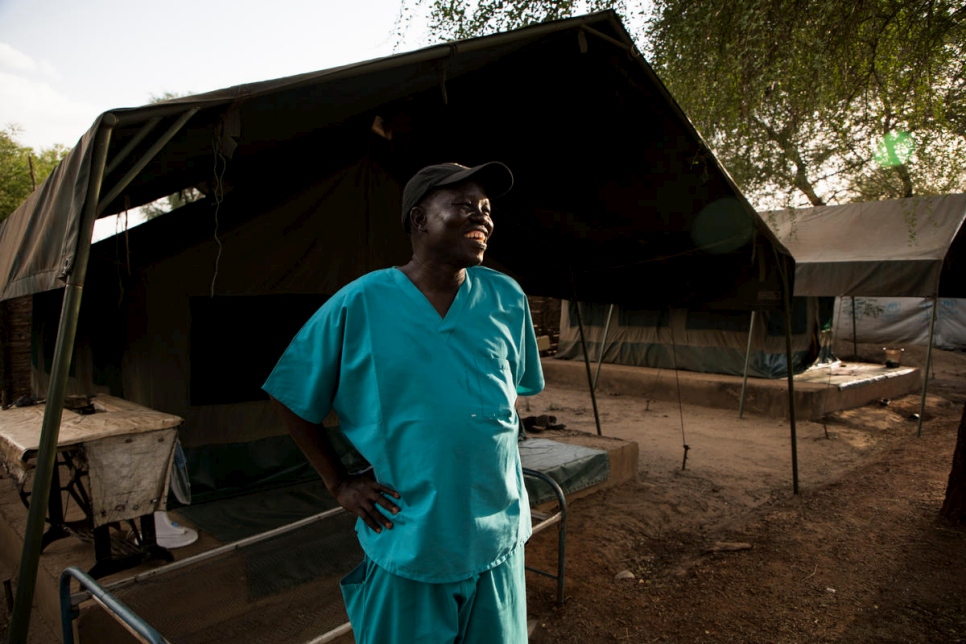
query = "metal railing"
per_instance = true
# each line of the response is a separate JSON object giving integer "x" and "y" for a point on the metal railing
{"x": 124, "y": 615}
{"x": 545, "y": 521}
{"x": 143, "y": 632}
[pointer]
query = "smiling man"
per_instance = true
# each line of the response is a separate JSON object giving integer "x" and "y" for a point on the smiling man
{"x": 423, "y": 364}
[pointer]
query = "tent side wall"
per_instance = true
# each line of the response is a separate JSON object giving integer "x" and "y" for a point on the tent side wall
{"x": 694, "y": 340}
{"x": 901, "y": 320}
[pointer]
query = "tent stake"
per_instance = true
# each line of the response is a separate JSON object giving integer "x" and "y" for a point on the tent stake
{"x": 53, "y": 411}
{"x": 583, "y": 345}
{"x": 925, "y": 377}
{"x": 603, "y": 343}
{"x": 744, "y": 379}
{"x": 791, "y": 373}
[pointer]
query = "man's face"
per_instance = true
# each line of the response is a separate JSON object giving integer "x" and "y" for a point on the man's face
{"x": 457, "y": 224}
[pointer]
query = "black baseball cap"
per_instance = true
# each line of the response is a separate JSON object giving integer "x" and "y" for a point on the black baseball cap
{"x": 494, "y": 177}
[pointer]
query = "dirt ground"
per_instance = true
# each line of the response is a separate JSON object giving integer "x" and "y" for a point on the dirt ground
{"x": 723, "y": 551}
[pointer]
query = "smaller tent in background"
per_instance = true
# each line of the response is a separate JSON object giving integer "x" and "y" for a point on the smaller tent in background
{"x": 899, "y": 248}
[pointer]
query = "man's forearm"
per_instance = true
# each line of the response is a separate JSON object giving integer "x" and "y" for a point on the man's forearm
{"x": 314, "y": 442}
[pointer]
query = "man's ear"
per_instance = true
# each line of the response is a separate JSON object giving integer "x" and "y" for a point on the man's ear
{"x": 417, "y": 219}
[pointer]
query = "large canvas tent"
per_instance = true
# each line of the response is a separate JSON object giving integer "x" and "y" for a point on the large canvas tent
{"x": 613, "y": 183}
{"x": 617, "y": 199}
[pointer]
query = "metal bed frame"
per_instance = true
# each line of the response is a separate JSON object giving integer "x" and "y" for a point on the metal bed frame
{"x": 145, "y": 633}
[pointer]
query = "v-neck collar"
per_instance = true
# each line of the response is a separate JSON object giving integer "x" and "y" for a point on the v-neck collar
{"x": 448, "y": 322}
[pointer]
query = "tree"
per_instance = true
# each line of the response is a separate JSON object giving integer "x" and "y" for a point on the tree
{"x": 954, "y": 505}
{"x": 22, "y": 169}
{"x": 813, "y": 103}
{"x": 822, "y": 101}
{"x": 171, "y": 203}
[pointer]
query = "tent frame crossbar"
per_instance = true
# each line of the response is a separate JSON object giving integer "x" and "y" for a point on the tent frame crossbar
{"x": 133, "y": 143}
{"x": 146, "y": 158}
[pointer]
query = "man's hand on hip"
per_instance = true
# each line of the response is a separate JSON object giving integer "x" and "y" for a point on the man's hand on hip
{"x": 362, "y": 495}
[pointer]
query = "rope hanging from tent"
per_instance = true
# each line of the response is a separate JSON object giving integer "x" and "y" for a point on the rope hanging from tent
{"x": 677, "y": 381}
{"x": 218, "y": 192}
{"x": 117, "y": 250}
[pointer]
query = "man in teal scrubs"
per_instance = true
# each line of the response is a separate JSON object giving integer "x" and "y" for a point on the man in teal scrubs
{"x": 423, "y": 364}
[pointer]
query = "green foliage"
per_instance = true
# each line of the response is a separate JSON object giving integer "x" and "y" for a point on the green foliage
{"x": 459, "y": 19}
{"x": 17, "y": 179}
{"x": 799, "y": 97}
{"x": 796, "y": 98}
{"x": 171, "y": 202}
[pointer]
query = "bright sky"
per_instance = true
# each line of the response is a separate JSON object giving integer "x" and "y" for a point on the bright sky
{"x": 63, "y": 62}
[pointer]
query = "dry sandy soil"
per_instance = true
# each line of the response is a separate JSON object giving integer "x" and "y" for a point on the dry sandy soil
{"x": 858, "y": 555}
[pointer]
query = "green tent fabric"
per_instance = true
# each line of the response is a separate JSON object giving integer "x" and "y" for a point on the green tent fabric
{"x": 898, "y": 248}
{"x": 613, "y": 182}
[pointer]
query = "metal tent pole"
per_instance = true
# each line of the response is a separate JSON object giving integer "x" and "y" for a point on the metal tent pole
{"x": 53, "y": 411}
{"x": 855, "y": 334}
{"x": 925, "y": 377}
{"x": 583, "y": 346}
{"x": 603, "y": 342}
{"x": 744, "y": 379}
{"x": 791, "y": 373}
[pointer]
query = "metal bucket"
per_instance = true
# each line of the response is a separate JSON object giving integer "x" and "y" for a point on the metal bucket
{"x": 893, "y": 357}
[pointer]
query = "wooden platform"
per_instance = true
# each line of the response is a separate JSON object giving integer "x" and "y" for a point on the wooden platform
{"x": 818, "y": 391}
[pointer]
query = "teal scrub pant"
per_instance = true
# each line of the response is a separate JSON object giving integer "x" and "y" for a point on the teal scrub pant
{"x": 488, "y": 608}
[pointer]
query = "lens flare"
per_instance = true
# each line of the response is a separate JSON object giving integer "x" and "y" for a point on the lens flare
{"x": 894, "y": 149}
{"x": 722, "y": 226}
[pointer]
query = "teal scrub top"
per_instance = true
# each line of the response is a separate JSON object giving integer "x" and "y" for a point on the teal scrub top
{"x": 430, "y": 403}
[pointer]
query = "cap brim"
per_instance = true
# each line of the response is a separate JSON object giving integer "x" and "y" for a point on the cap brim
{"x": 494, "y": 177}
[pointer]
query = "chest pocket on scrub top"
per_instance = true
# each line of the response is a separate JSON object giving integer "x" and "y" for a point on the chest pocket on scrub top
{"x": 497, "y": 391}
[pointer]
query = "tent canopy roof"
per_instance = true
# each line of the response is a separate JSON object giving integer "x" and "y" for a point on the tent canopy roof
{"x": 617, "y": 198}
{"x": 900, "y": 248}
